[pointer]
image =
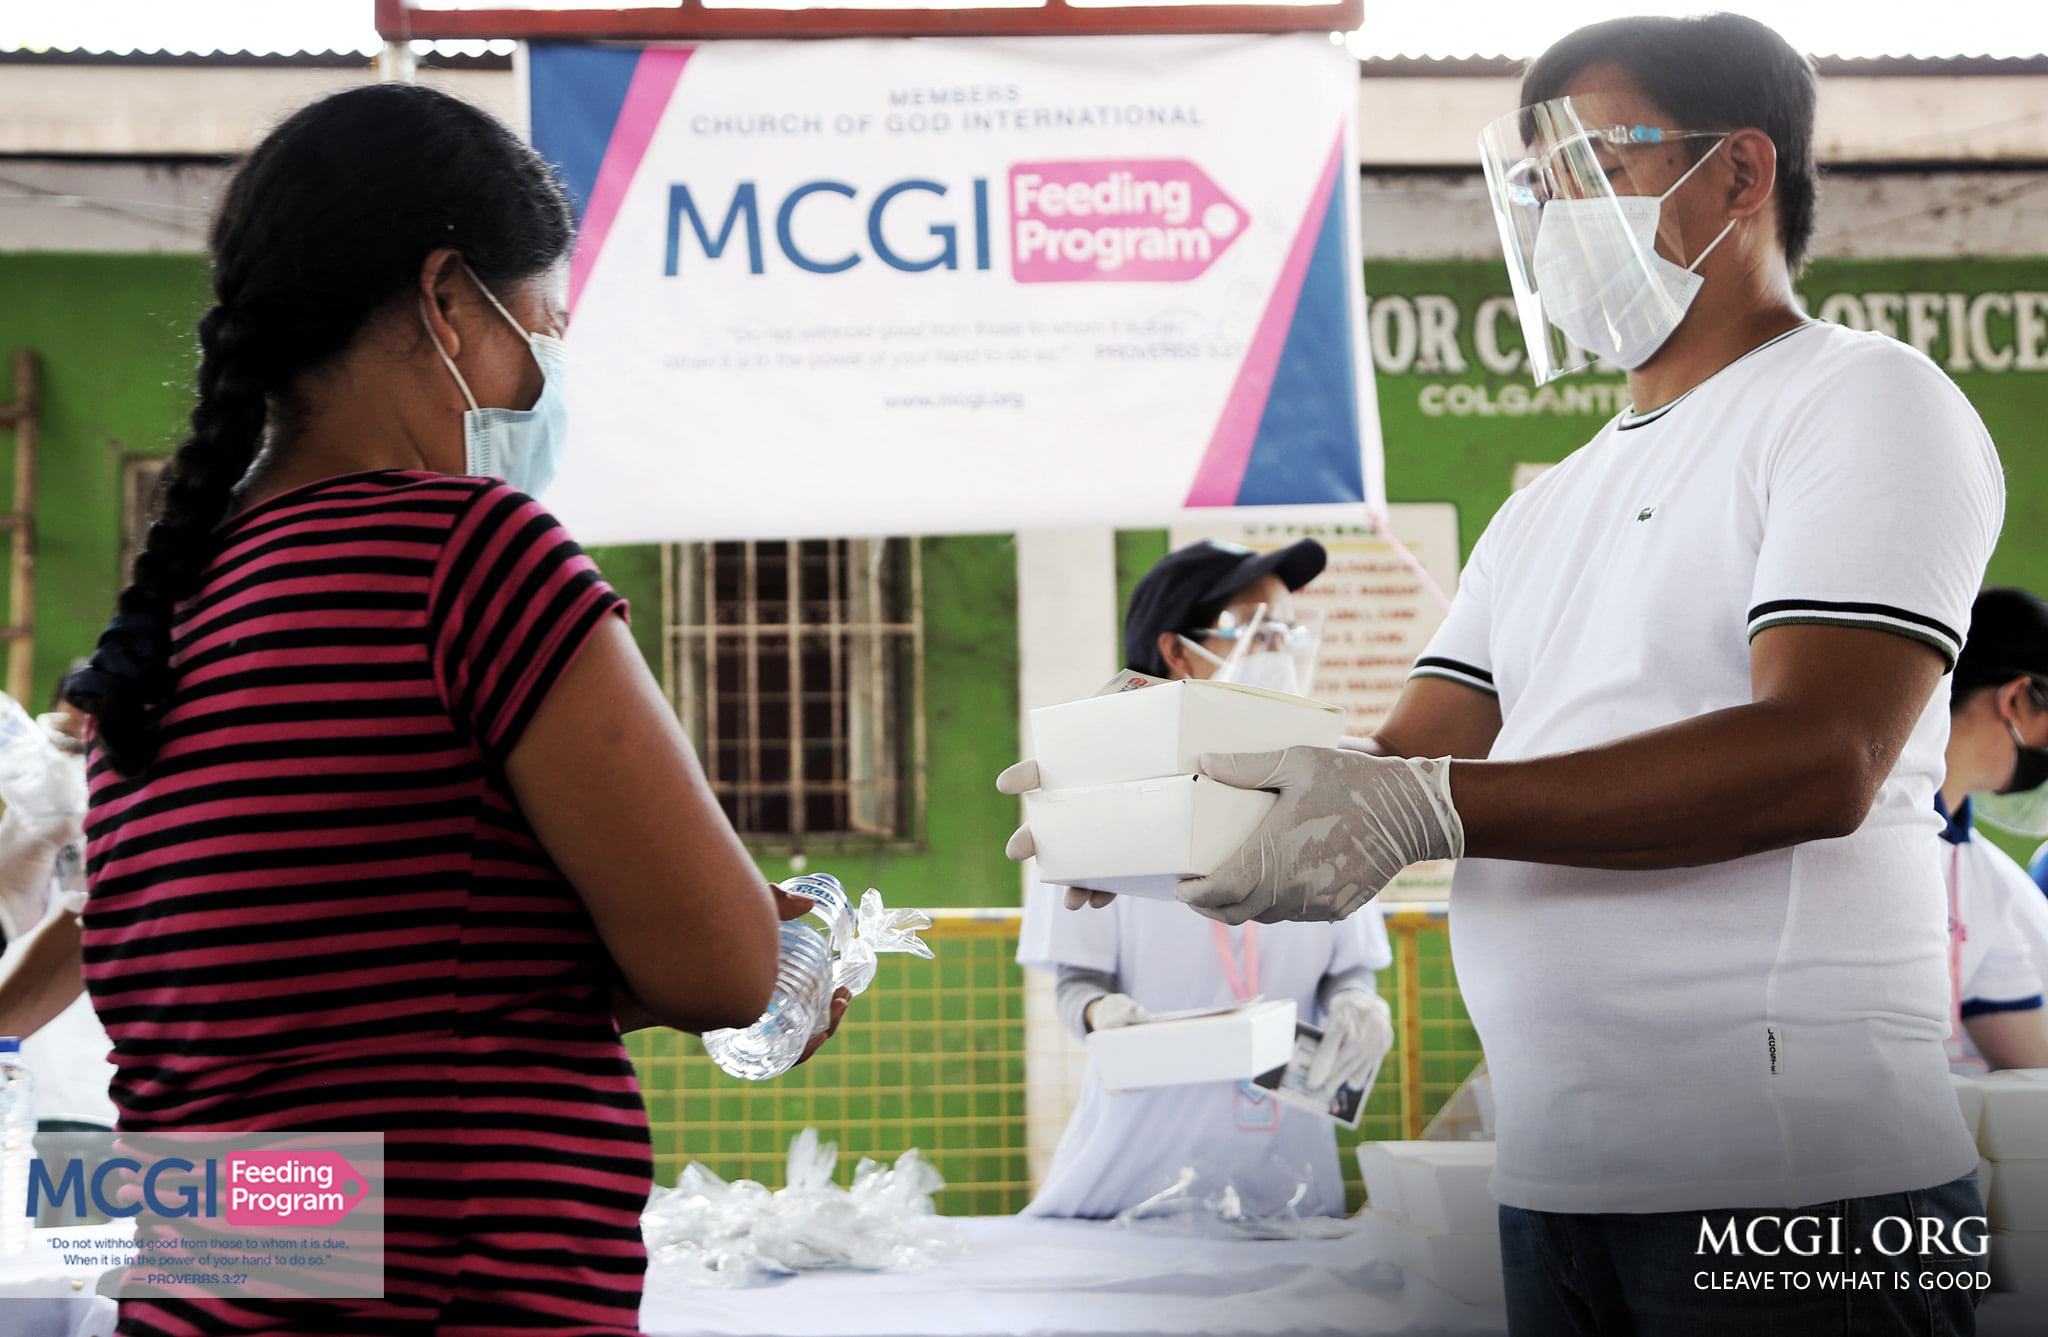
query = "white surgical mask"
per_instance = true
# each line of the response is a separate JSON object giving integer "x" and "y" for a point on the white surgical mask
{"x": 521, "y": 446}
{"x": 1590, "y": 271}
{"x": 1274, "y": 670}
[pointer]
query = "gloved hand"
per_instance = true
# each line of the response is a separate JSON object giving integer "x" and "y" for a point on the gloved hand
{"x": 1022, "y": 778}
{"x": 1346, "y": 823}
{"x": 1357, "y": 1033}
{"x": 1113, "y": 1010}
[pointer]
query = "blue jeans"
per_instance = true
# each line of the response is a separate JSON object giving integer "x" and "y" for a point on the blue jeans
{"x": 1885, "y": 1266}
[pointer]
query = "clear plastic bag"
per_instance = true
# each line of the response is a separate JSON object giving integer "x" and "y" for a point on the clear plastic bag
{"x": 1194, "y": 1204}
{"x": 707, "y": 1232}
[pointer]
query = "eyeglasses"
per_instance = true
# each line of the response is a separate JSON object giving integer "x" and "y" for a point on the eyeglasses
{"x": 1569, "y": 167}
{"x": 1266, "y": 633}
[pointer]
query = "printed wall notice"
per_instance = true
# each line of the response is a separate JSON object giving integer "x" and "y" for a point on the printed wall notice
{"x": 957, "y": 285}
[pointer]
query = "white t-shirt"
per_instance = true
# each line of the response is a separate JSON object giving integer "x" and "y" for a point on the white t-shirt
{"x": 1119, "y": 1150}
{"x": 1764, "y": 1032}
{"x": 1999, "y": 928}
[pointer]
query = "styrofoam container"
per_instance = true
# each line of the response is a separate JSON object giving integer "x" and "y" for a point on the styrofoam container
{"x": 1141, "y": 837}
{"x": 1380, "y": 1168}
{"x": 1440, "y": 1186}
{"x": 1225, "y": 1046}
{"x": 1444, "y": 1188}
{"x": 1467, "y": 1266}
{"x": 2015, "y": 1122}
{"x": 2017, "y": 1197}
{"x": 1970, "y": 1097}
{"x": 1163, "y": 730}
{"x": 2019, "y": 1261}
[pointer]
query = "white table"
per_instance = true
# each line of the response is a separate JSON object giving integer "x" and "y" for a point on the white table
{"x": 1023, "y": 1278}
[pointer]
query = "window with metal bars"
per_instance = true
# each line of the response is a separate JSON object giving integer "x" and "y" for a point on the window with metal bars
{"x": 798, "y": 668}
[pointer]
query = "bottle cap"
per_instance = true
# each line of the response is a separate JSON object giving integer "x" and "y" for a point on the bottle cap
{"x": 10, "y": 1044}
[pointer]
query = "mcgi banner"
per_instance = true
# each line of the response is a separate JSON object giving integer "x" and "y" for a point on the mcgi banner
{"x": 951, "y": 285}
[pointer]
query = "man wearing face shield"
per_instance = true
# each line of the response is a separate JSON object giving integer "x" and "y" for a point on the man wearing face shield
{"x": 1215, "y": 611}
{"x": 1997, "y": 767}
{"x": 1683, "y": 723}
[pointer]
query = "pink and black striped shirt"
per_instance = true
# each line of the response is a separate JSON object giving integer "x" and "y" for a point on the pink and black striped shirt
{"x": 320, "y": 907}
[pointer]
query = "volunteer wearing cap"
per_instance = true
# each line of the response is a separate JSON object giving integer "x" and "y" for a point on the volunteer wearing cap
{"x": 1683, "y": 721}
{"x": 1998, "y": 753}
{"x": 1200, "y": 608}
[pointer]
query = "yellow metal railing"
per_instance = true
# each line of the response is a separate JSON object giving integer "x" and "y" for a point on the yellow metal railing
{"x": 935, "y": 1056}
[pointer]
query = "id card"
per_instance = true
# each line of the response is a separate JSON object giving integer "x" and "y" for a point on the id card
{"x": 1340, "y": 1103}
{"x": 1258, "y": 1110}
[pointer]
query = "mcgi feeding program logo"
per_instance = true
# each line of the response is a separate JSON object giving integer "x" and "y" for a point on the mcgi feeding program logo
{"x": 219, "y": 1214}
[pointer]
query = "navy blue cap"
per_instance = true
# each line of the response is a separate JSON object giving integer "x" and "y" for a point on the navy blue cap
{"x": 2008, "y": 638}
{"x": 1168, "y": 595}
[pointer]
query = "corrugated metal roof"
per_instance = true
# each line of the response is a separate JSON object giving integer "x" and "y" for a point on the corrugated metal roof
{"x": 1857, "y": 67}
{"x": 1394, "y": 67}
{"x": 295, "y": 60}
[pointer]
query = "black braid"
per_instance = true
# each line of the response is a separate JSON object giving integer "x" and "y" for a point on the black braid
{"x": 327, "y": 223}
{"x": 192, "y": 498}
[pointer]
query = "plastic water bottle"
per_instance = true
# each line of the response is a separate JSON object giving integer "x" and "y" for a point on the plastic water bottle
{"x": 17, "y": 1144}
{"x": 801, "y": 1004}
{"x": 34, "y": 776}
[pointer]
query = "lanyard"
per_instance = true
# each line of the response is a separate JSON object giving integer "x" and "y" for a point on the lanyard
{"x": 1240, "y": 972}
{"x": 1956, "y": 931}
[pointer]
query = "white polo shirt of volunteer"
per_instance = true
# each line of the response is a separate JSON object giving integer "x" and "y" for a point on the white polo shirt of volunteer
{"x": 1998, "y": 921}
{"x": 1768, "y": 1031}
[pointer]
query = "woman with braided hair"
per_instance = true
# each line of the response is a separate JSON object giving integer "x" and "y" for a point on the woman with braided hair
{"x": 391, "y": 829}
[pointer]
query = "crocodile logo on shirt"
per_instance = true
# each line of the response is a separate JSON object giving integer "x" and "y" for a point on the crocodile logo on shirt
{"x": 1646, "y": 512}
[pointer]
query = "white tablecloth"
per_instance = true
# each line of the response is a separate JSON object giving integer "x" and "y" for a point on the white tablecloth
{"x": 1013, "y": 1278}
{"x": 1020, "y": 1278}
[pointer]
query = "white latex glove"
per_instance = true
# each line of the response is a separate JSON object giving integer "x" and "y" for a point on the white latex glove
{"x": 1115, "y": 1009}
{"x": 1022, "y": 778}
{"x": 1357, "y": 1033}
{"x": 1345, "y": 825}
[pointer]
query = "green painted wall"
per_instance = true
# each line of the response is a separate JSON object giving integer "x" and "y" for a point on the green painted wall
{"x": 114, "y": 335}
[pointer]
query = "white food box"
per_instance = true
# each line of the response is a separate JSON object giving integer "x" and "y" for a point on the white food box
{"x": 1467, "y": 1266}
{"x": 1141, "y": 837}
{"x": 2017, "y": 1196}
{"x": 2015, "y": 1123}
{"x": 1163, "y": 729}
{"x": 1381, "y": 1171}
{"x": 1224, "y": 1045}
{"x": 1436, "y": 1186}
{"x": 1970, "y": 1097}
{"x": 1444, "y": 1187}
{"x": 2019, "y": 1261}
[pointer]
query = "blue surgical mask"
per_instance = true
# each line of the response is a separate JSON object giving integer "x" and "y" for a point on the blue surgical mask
{"x": 521, "y": 446}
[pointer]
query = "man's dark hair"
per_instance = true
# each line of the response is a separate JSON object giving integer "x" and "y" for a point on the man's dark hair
{"x": 1708, "y": 72}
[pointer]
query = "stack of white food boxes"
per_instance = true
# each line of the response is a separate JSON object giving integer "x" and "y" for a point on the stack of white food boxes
{"x": 1120, "y": 806}
{"x": 1429, "y": 1210}
{"x": 2008, "y": 1111}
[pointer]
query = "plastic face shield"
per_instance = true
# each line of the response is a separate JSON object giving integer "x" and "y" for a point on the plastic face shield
{"x": 1607, "y": 281}
{"x": 1264, "y": 651}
